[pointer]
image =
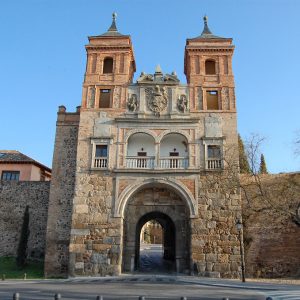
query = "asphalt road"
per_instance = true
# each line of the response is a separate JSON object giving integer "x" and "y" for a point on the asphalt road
{"x": 128, "y": 288}
{"x": 162, "y": 285}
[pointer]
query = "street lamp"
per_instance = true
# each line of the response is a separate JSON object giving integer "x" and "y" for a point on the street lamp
{"x": 239, "y": 227}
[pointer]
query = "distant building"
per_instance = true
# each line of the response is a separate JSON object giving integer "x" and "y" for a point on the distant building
{"x": 17, "y": 166}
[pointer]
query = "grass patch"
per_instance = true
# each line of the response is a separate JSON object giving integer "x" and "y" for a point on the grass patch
{"x": 33, "y": 269}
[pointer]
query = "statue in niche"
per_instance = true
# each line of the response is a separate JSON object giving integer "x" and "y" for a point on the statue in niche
{"x": 91, "y": 100}
{"x": 132, "y": 103}
{"x": 157, "y": 99}
{"x": 182, "y": 103}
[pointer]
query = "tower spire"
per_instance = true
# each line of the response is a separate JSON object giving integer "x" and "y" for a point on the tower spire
{"x": 206, "y": 30}
{"x": 112, "y": 30}
{"x": 113, "y": 26}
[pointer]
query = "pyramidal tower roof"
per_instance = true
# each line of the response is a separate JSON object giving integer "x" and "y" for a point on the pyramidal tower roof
{"x": 113, "y": 30}
{"x": 206, "y": 33}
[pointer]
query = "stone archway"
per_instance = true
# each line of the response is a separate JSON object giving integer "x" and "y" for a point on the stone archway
{"x": 169, "y": 241}
{"x": 165, "y": 206}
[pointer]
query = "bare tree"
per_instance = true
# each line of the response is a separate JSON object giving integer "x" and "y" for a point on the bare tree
{"x": 277, "y": 193}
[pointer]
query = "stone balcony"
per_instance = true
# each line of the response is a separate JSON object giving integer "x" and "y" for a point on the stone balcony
{"x": 150, "y": 162}
{"x": 213, "y": 164}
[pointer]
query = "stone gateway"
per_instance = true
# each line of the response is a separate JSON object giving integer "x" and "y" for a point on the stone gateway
{"x": 146, "y": 150}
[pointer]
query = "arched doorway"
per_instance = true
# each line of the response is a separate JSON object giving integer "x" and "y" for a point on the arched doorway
{"x": 153, "y": 258}
{"x": 161, "y": 204}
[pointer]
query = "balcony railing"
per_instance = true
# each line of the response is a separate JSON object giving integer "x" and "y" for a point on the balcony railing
{"x": 140, "y": 162}
{"x": 100, "y": 162}
{"x": 173, "y": 163}
{"x": 148, "y": 162}
{"x": 213, "y": 164}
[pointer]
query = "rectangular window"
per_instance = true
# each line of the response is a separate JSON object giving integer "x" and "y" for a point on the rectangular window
{"x": 105, "y": 98}
{"x": 101, "y": 151}
{"x": 214, "y": 152}
{"x": 212, "y": 100}
{"x": 10, "y": 175}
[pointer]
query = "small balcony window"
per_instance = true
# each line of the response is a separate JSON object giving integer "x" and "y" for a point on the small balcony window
{"x": 10, "y": 175}
{"x": 213, "y": 152}
{"x": 101, "y": 155}
{"x": 213, "y": 161}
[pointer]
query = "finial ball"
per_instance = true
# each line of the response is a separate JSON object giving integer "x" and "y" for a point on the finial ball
{"x": 205, "y": 18}
{"x": 114, "y": 15}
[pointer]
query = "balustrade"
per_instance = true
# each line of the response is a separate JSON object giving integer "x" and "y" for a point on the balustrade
{"x": 140, "y": 162}
{"x": 173, "y": 162}
{"x": 213, "y": 164}
{"x": 100, "y": 162}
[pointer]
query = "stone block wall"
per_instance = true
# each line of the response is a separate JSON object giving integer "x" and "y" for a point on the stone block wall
{"x": 14, "y": 197}
{"x": 215, "y": 244}
{"x": 61, "y": 194}
{"x": 271, "y": 238}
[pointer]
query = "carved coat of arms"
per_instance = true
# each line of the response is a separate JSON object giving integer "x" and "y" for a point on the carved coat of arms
{"x": 157, "y": 99}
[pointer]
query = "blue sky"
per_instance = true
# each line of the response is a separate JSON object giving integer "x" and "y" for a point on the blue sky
{"x": 42, "y": 62}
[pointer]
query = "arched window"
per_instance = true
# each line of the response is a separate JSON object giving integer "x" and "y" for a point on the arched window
{"x": 173, "y": 151}
{"x": 210, "y": 67}
{"x": 108, "y": 65}
{"x": 140, "y": 151}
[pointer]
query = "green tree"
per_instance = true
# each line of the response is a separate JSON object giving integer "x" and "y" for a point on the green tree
{"x": 263, "y": 165}
{"x": 243, "y": 160}
{"x": 23, "y": 242}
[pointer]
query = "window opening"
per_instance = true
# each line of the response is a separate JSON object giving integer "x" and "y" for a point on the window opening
{"x": 210, "y": 67}
{"x": 101, "y": 151}
{"x": 108, "y": 65}
{"x": 101, "y": 157}
{"x": 104, "y": 98}
{"x": 10, "y": 175}
{"x": 214, "y": 152}
{"x": 212, "y": 100}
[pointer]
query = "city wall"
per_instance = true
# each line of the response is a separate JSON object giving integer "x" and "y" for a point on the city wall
{"x": 14, "y": 197}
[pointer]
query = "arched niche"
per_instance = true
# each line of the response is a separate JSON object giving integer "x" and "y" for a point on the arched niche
{"x": 174, "y": 143}
{"x": 140, "y": 143}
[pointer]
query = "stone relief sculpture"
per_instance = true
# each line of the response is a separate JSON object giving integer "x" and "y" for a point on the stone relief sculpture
{"x": 132, "y": 103}
{"x": 91, "y": 99}
{"x": 182, "y": 103}
{"x": 157, "y": 99}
